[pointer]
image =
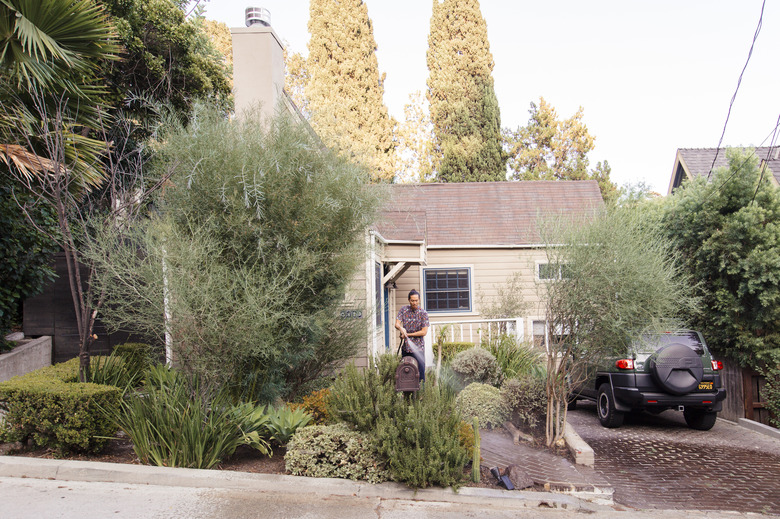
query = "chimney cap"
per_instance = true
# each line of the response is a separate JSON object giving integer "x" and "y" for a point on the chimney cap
{"x": 257, "y": 16}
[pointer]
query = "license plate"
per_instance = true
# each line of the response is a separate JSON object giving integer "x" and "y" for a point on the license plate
{"x": 705, "y": 386}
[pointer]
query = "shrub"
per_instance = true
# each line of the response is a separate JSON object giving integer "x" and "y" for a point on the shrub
{"x": 317, "y": 405}
{"x": 175, "y": 423}
{"x": 421, "y": 439}
{"x": 138, "y": 356}
{"x": 335, "y": 451}
{"x": 359, "y": 397}
{"x": 25, "y": 250}
{"x": 515, "y": 359}
{"x": 484, "y": 402}
{"x": 476, "y": 365}
{"x": 263, "y": 232}
{"x": 53, "y": 409}
{"x": 450, "y": 349}
{"x": 526, "y": 399}
{"x": 466, "y": 435}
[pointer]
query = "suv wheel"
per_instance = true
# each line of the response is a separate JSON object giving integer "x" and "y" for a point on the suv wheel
{"x": 605, "y": 405}
{"x": 700, "y": 420}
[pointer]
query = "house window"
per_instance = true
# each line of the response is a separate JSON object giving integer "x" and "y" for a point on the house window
{"x": 540, "y": 335}
{"x": 550, "y": 271}
{"x": 448, "y": 290}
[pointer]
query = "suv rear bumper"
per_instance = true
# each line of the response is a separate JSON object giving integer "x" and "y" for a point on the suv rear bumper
{"x": 628, "y": 398}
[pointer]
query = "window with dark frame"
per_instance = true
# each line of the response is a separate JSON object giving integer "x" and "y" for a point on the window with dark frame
{"x": 448, "y": 290}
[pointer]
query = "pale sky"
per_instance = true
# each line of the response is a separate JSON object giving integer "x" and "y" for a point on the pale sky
{"x": 651, "y": 76}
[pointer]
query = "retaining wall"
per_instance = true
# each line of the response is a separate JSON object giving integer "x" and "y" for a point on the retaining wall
{"x": 28, "y": 357}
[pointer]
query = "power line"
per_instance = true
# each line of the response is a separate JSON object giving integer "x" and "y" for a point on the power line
{"x": 739, "y": 81}
{"x": 772, "y": 133}
{"x": 772, "y": 145}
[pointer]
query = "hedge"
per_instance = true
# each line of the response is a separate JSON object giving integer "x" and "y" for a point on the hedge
{"x": 50, "y": 407}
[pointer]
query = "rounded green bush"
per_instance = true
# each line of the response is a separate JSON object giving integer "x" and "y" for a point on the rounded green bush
{"x": 476, "y": 365}
{"x": 334, "y": 451}
{"x": 526, "y": 399}
{"x": 484, "y": 402}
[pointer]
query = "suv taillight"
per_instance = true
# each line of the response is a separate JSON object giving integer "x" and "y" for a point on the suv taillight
{"x": 717, "y": 365}
{"x": 625, "y": 364}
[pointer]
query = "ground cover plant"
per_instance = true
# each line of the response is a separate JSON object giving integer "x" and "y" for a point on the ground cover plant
{"x": 335, "y": 451}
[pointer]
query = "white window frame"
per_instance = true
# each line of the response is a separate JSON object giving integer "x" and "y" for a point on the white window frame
{"x": 537, "y": 268}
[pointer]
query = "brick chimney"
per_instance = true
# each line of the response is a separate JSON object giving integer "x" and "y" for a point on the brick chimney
{"x": 258, "y": 63}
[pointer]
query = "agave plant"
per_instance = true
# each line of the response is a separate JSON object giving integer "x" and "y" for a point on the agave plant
{"x": 283, "y": 422}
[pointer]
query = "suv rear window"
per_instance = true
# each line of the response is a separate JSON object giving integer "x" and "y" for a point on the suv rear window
{"x": 651, "y": 343}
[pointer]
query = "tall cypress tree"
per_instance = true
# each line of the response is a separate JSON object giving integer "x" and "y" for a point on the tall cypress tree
{"x": 464, "y": 107}
{"x": 344, "y": 89}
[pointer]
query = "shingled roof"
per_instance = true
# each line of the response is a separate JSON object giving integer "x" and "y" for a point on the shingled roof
{"x": 482, "y": 214}
{"x": 696, "y": 162}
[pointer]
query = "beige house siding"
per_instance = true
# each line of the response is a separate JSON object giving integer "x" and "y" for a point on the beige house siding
{"x": 361, "y": 296}
{"x": 354, "y": 301}
{"x": 490, "y": 268}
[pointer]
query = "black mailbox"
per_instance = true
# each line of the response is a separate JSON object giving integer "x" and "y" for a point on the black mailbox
{"x": 407, "y": 375}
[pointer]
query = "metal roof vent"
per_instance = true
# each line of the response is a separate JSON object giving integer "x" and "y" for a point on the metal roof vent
{"x": 257, "y": 16}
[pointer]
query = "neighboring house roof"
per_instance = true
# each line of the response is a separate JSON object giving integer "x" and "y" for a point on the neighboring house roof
{"x": 692, "y": 163}
{"x": 482, "y": 214}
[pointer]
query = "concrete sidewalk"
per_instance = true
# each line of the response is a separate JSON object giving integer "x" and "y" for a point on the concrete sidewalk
{"x": 88, "y": 471}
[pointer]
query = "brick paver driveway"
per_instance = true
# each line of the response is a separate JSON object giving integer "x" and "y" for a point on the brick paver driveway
{"x": 657, "y": 462}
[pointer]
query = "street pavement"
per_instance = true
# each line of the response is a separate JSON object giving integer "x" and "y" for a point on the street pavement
{"x": 23, "y": 498}
{"x": 657, "y": 462}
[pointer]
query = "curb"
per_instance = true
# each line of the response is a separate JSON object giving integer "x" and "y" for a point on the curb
{"x": 582, "y": 452}
{"x": 92, "y": 471}
{"x": 759, "y": 427}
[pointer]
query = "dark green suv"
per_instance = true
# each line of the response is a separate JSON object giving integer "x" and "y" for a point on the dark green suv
{"x": 662, "y": 371}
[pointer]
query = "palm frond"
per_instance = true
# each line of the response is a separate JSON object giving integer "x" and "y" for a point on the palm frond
{"x": 46, "y": 38}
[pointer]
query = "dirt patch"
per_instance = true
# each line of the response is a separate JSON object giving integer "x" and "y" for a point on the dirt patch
{"x": 245, "y": 459}
{"x": 120, "y": 450}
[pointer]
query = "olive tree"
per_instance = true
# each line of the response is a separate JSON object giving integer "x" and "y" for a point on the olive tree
{"x": 243, "y": 266}
{"x": 609, "y": 279}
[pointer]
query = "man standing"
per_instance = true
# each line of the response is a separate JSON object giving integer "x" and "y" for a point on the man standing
{"x": 412, "y": 322}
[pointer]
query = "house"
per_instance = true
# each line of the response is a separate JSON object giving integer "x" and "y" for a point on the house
{"x": 457, "y": 244}
{"x": 690, "y": 163}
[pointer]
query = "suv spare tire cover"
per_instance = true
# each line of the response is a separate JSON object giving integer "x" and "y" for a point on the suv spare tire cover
{"x": 676, "y": 368}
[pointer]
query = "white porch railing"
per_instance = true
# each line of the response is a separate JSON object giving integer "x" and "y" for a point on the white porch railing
{"x": 471, "y": 331}
{"x": 476, "y": 330}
